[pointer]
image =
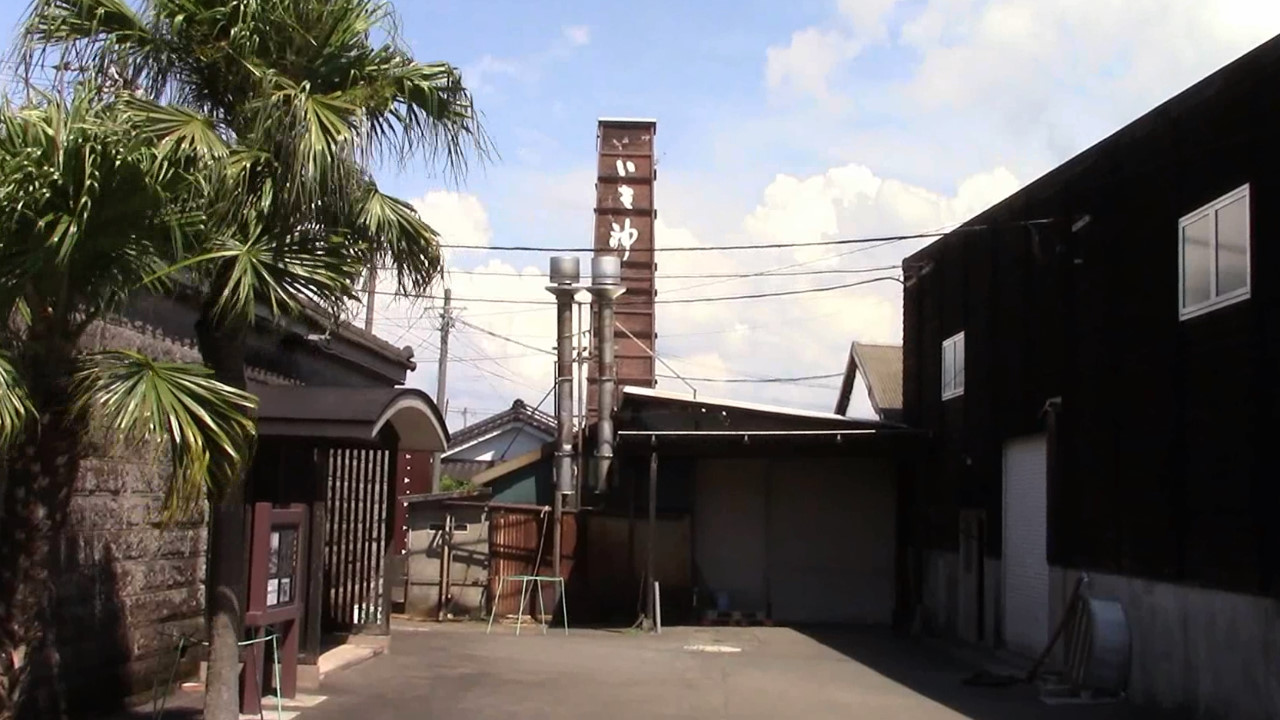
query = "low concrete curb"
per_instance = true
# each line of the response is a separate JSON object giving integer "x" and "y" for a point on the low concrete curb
{"x": 349, "y": 655}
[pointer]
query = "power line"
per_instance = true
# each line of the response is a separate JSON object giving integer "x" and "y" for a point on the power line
{"x": 501, "y": 376}
{"x": 677, "y": 301}
{"x": 519, "y": 430}
{"x": 499, "y": 336}
{"x": 763, "y": 380}
{"x": 774, "y": 271}
{"x": 738, "y": 380}
{"x": 696, "y": 333}
{"x": 541, "y": 278}
{"x": 761, "y": 273}
{"x": 468, "y": 410}
{"x": 765, "y": 246}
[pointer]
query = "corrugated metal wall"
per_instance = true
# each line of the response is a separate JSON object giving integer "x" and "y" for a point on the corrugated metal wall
{"x": 520, "y": 543}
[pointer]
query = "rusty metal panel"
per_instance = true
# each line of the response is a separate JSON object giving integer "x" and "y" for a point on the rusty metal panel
{"x": 514, "y": 545}
{"x": 520, "y": 543}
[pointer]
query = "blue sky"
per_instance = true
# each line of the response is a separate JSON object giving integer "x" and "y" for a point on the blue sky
{"x": 777, "y": 122}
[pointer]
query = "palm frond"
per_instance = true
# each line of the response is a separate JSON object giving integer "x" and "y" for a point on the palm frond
{"x": 400, "y": 239}
{"x": 175, "y": 128}
{"x": 281, "y": 273}
{"x": 87, "y": 35}
{"x": 15, "y": 404}
{"x": 424, "y": 108}
{"x": 305, "y": 95}
{"x": 57, "y": 22}
{"x": 89, "y": 206}
{"x": 206, "y": 426}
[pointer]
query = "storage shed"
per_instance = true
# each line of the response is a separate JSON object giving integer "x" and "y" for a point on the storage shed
{"x": 448, "y": 540}
{"x": 793, "y": 512}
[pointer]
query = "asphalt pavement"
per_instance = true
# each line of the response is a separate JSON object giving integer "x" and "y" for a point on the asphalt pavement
{"x": 458, "y": 671}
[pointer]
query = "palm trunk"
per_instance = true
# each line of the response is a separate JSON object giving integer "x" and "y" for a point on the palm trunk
{"x": 37, "y": 495}
{"x": 222, "y": 347}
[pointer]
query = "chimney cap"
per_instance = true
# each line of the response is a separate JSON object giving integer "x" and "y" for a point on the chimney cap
{"x": 565, "y": 269}
{"x": 606, "y": 270}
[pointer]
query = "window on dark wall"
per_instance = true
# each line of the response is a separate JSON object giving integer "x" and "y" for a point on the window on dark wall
{"x": 1213, "y": 254}
{"x": 953, "y": 366}
{"x": 281, "y": 566}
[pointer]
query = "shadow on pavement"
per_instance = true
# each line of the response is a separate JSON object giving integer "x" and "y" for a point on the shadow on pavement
{"x": 927, "y": 669}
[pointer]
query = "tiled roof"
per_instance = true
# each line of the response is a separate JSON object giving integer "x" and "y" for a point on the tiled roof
{"x": 881, "y": 367}
{"x": 519, "y": 412}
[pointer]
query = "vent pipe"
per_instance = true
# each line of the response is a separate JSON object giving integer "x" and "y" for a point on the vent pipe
{"x": 606, "y": 286}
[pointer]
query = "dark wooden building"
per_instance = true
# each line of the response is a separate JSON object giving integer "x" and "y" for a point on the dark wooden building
{"x": 1095, "y": 358}
{"x": 334, "y": 425}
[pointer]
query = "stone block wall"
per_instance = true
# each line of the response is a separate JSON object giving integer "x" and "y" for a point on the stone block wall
{"x": 129, "y": 584}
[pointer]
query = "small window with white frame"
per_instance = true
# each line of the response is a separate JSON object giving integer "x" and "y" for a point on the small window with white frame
{"x": 1213, "y": 254}
{"x": 953, "y": 366}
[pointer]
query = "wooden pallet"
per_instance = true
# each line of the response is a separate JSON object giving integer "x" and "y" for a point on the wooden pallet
{"x": 735, "y": 618}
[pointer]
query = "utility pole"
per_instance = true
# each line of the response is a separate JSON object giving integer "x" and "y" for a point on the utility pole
{"x": 465, "y": 422}
{"x": 442, "y": 371}
{"x": 371, "y": 290}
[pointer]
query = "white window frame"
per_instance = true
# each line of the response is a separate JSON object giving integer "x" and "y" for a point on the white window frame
{"x": 1215, "y": 300}
{"x": 956, "y": 386}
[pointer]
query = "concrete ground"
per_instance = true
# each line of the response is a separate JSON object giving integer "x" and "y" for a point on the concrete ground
{"x": 459, "y": 671}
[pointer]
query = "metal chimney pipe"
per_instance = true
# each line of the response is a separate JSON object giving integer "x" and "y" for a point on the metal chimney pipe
{"x": 564, "y": 277}
{"x": 565, "y": 273}
{"x": 606, "y": 286}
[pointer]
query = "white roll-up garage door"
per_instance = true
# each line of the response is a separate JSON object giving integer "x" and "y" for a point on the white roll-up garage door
{"x": 831, "y": 542}
{"x": 811, "y": 541}
{"x": 1026, "y": 567}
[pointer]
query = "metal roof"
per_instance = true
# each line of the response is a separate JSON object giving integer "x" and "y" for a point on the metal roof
{"x": 732, "y": 404}
{"x": 352, "y": 413}
{"x": 881, "y": 367}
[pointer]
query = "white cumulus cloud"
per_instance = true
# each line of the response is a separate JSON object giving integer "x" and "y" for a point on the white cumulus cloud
{"x": 804, "y": 334}
{"x": 986, "y": 94}
{"x": 500, "y": 347}
{"x": 804, "y": 65}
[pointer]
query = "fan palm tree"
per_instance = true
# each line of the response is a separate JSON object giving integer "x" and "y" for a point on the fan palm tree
{"x": 90, "y": 211}
{"x": 299, "y": 98}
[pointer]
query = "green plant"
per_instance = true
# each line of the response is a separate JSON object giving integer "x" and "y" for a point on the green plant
{"x": 452, "y": 484}
{"x": 90, "y": 211}
{"x": 290, "y": 102}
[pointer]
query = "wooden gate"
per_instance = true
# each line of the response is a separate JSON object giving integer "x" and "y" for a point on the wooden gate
{"x": 357, "y": 540}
